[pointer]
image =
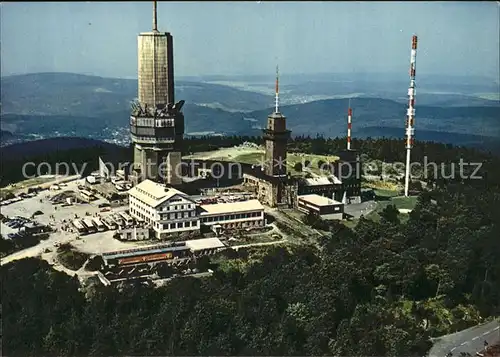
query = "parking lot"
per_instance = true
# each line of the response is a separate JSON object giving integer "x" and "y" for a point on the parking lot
{"x": 58, "y": 217}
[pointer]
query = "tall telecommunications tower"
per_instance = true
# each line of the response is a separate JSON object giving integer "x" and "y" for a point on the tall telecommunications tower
{"x": 410, "y": 116}
{"x": 156, "y": 121}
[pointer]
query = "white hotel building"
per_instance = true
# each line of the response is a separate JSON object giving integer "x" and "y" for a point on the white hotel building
{"x": 166, "y": 209}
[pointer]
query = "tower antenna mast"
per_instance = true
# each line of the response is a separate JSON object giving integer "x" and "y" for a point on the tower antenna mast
{"x": 155, "y": 18}
{"x": 276, "y": 109}
{"x": 410, "y": 117}
{"x": 349, "y": 125}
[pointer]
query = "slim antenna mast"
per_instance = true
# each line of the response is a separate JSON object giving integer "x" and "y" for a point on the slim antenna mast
{"x": 349, "y": 125}
{"x": 277, "y": 90}
{"x": 155, "y": 26}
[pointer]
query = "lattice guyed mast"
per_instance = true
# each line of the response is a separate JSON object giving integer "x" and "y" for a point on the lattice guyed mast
{"x": 410, "y": 117}
{"x": 349, "y": 125}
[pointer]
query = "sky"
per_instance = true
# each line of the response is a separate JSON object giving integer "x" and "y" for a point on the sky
{"x": 246, "y": 38}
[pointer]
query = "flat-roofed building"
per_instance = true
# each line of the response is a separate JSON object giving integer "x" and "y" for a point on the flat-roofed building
{"x": 134, "y": 233}
{"x": 163, "y": 252}
{"x": 205, "y": 246}
{"x": 147, "y": 254}
{"x": 166, "y": 209}
{"x": 325, "y": 207}
{"x": 329, "y": 186}
{"x": 246, "y": 214}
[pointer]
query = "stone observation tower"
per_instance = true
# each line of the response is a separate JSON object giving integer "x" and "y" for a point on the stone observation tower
{"x": 156, "y": 121}
{"x": 276, "y": 137}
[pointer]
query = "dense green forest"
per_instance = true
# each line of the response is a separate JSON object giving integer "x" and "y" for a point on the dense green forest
{"x": 383, "y": 288}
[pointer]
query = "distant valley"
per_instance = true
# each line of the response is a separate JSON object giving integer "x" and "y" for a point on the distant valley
{"x": 37, "y": 106}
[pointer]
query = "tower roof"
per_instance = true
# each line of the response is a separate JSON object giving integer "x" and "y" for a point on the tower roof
{"x": 277, "y": 115}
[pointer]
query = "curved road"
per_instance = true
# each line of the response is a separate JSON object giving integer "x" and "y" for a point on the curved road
{"x": 236, "y": 247}
{"x": 467, "y": 341}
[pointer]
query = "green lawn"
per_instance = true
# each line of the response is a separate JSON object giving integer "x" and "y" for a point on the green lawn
{"x": 385, "y": 192}
{"x": 292, "y": 159}
{"x": 399, "y": 202}
{"x": 248, "y": 158}
{"x": 404, "y": 202}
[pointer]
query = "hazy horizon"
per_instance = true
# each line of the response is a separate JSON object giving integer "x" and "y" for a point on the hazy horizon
{"x": 250, "y": 38}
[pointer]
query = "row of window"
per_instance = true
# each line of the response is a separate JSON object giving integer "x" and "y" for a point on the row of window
{"x": 322, "y": 209}
{"x": 150, "y": 122}
{"x": 228, "y": 217}
{"x": 177, "y": 225}
{"x": 135, "y": 208}
{"x": 144, "y": 193}
{"x": 153, "y": 139}
{"x": 141, "y": 215}
{"x": 178, "y": 215}
{"x": 141, "y": 206}
{"x": 178, "y": 207}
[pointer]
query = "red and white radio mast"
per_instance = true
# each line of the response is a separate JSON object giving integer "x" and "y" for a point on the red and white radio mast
{"x": 410, "y": 115}
{"x": 349, "y": 125}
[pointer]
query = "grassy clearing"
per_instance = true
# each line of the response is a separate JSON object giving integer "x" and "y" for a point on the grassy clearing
{"x": 405, "y": 202}
{"x": 254, "y": 157}
{"x": 383, "y": 186}
{"x": 399, "y": 202}
{"x": 293, "y": 159}
{"x": 248, "y": 158}
{"x": 386, "y": 193}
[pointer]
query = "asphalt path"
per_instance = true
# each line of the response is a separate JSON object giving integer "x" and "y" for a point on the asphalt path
{"x": 358, "y": 209}
{"x": 470, "y": 340}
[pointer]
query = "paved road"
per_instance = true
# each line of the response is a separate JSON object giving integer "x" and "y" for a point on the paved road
{"x": 467, "y": 341}
{"x": 358, "y": 209}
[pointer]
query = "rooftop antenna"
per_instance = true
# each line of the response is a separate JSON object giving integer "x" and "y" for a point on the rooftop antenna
{"x": 155, "y": 26}
{"x": 276, "y": 110}
{"x": 349, "y": 125}
{"x": 410, "y": 116}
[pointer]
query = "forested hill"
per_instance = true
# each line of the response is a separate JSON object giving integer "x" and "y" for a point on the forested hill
{"x": 44, "y": 105}
{"x": 383, "y": 288}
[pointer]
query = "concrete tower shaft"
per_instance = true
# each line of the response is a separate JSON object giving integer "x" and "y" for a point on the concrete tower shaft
{"x": 156, "y": 121}
{"x": 156, "y": 69}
